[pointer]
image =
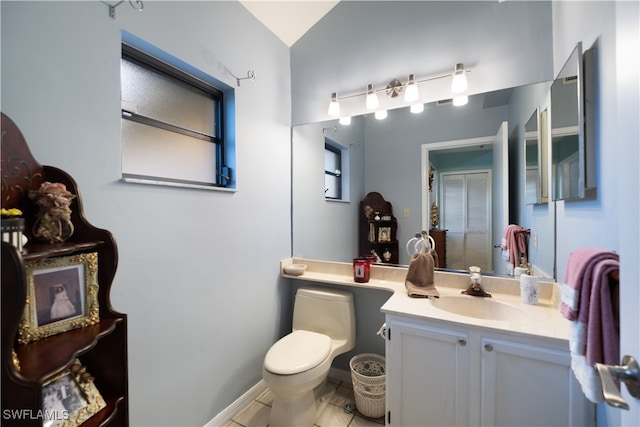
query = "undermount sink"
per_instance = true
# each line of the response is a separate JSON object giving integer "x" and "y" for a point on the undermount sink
{"x": 477, "y": 307}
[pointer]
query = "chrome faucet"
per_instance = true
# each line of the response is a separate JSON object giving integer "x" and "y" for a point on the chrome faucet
{"x": 475, "y": 283}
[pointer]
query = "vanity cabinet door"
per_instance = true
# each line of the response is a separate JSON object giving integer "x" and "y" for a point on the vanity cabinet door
{"x": 427, "y": 375}
{"x": 527, "y": 384}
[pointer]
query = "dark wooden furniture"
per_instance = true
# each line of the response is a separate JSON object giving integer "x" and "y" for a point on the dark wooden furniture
{"x": 101, "y": 348}
{"x": 378, "y": 228}
{"x": 440, "y": 239}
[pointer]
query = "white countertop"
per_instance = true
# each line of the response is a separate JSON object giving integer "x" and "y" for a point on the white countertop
{"x": 542, "y": 320}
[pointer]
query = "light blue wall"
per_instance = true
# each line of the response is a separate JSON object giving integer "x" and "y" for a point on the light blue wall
{"x": 198, "y": 271}
{"x": 610, "y": 221}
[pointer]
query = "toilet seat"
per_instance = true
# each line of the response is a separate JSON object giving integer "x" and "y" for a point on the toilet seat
{"x": 297, "y": 352}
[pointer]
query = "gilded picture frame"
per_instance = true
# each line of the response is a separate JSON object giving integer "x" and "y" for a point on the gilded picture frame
{"x": 62, "y": 294}
{"x": 384, "y": 234}
{"x": 70, "y": 398}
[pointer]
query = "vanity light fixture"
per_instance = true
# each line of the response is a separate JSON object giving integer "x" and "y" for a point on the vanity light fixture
{"x": 372, "y": 98}
{"x": 334, "y": 105}
{"x": 381, "y": 114}
{"x": 459, "y": 87}
{"x": 459, "y": 80}
{"x": 345, "y": 120}
{"x": 411, "y": 93}
{"x": 417, "y": 108}
{"x": 460, "y": 100}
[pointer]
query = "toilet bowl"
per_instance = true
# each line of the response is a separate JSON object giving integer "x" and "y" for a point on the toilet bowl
{"x": 296, "y": 367}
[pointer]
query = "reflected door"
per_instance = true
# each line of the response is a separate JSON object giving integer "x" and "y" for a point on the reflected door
{"x": 466, "y": 215}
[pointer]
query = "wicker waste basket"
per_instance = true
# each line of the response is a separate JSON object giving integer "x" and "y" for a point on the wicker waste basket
{"x": 368, "y": 377}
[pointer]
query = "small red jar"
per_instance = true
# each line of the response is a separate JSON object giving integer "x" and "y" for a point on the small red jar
{"x": 361, "y": 268}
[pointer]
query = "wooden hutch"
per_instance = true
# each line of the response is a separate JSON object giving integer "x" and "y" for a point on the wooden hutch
{"x": 100, "y": 347}
{"x": 378, "y": 229}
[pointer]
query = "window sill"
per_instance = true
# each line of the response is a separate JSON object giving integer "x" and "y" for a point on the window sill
{"x": 151, "y": 181}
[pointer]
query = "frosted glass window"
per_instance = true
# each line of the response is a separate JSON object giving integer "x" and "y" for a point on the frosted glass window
{"x": 166, "y": 99}
{"x": 165, "y": 154}
{"x": 171, "y": 124}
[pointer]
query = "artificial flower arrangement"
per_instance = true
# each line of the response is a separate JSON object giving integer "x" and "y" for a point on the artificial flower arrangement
{"x": 53, "y": 220}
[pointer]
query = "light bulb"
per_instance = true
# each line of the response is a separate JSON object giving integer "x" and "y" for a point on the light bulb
{"x": 381, "y": 114}
{"x": 334, "y": 105}
{"x": 459, "y": 101}
{"x": 345, "y": 120}
{"x": 411, "y": 91}
{"x": 372, "y": 98}
{"x": 416, "y": 108}
{"x": 459, "y": 80}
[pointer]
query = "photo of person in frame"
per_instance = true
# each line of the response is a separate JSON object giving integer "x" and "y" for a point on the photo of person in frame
{"x": 61, "y": 399}
{"x": 59, "y": 294}
{"x": 62, "y": 307}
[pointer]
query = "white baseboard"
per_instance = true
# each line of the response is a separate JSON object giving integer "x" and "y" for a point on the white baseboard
{"x": 240, "y": 403}
{"x": 243, "y": 401}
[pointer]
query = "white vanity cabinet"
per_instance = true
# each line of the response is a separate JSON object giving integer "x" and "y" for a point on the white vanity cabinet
{"x": 450, "y": 374}
{"x": 427, "y": 375}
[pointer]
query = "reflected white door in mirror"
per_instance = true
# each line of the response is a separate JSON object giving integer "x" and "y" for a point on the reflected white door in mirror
{"x": 471, "y": 191}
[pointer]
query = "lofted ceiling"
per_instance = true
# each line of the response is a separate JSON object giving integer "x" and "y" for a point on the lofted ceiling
{"x": 289, "y": 19}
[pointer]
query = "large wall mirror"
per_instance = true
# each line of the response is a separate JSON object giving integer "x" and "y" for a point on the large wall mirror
{"x": 571, "y": 152}
{"x": 387, "y": 156}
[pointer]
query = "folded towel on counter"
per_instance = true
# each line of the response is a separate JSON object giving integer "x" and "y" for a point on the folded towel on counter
{"x": 590, "y": 299}
{"x": 514, "y": 244}
{"x": 420, "y": 276}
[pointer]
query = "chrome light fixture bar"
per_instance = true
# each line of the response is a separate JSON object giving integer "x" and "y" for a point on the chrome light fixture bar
{"x": 459, "y": 88}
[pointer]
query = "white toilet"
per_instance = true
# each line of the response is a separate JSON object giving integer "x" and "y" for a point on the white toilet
{"x": 296, "y": 367}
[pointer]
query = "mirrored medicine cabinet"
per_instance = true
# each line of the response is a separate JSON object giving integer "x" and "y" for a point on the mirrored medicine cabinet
{"x": 572, "y": 139}
{"x": 535, "y": 158}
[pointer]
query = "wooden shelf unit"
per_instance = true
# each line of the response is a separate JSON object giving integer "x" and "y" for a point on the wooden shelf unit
{"x": 102, "y": 347}
{"x": 370, "y": 228}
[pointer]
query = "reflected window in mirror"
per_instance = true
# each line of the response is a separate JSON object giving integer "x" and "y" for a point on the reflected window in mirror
{"x": 333, "y": 170}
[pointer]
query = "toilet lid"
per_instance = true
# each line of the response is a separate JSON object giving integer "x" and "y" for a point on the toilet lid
{"x": 297, "y": 352}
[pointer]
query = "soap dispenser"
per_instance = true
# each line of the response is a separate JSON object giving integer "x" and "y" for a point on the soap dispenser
{"x": 475, "y": 283}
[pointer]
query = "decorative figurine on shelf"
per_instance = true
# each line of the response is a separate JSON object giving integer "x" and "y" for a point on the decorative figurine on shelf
{"x": 12, "y": 227}
{"x": 368, "y": 210}
{"x": 431, "y": 175}
{"x": 53, "y": 220}
{"x": 435, "y": 215}
{"x": 386, "y": 255}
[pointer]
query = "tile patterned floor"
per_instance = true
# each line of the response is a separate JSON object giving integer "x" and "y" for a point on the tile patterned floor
{"x": 256, "y": 414}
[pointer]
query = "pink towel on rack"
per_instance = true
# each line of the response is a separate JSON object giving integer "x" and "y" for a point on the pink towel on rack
{"x": 603, "y": 328}
{"x": 578, "y": 279}
{"x": 592, "y": 281}
{"x": 514, "y": 244}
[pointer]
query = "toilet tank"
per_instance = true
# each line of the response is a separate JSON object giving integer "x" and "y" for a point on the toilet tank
{"x": 326, "y": 311}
